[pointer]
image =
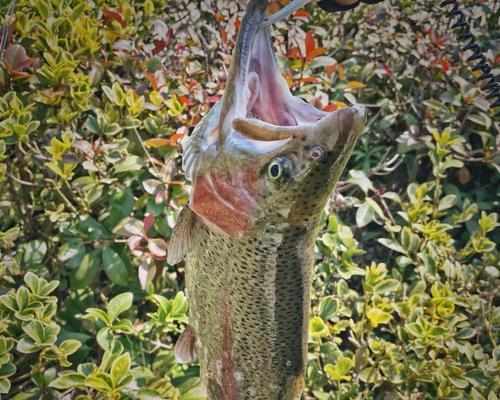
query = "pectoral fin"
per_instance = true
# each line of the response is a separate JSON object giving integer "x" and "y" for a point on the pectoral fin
{"x": 182, "y": 236}
{"x": 185, "y": 348}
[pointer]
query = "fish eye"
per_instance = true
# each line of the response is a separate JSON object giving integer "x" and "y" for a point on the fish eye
{"x": 317, "y": 152}
{"x": 280, "y": 168}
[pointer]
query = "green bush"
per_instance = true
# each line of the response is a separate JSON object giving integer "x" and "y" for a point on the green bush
{"x": 93, "y": 102}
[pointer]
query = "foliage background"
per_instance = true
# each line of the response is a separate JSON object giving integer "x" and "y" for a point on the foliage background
{"x": 95, "y": 97}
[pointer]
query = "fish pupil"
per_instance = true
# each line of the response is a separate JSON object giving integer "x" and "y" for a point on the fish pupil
{"x": 275, "y": 170}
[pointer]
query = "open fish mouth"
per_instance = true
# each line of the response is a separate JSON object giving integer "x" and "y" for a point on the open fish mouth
{"x": 262, "y": 107}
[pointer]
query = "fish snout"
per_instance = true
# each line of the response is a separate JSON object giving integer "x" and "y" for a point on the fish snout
{"x": 342, "y": 126}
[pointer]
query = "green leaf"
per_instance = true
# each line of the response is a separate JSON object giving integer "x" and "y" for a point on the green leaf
{"x": 120, "y": 368}
{"x": 179, "y": 306}
{"x": 44, "y": 8}
{"x": 100, "y": 382}
{"x": 114, "y": 267}
{"x": 68, "y": 380}
{"x": 27, "y": 346}
{"x": 318, "y": 328}
{"x": 386, "y": 286}
{"x": 119, "y": 304}
{"x": 391, "y": 244}
{"x": 447, "y": 202}
{"x": 364, "y": 214}
{"x": 22, "y": 298}
{"x": 34, "y": 253}
{"x": 97, "y": 314}
{"x": 7, "y": 370}
{"x": 377, "y": 316}
{"x": 339, "y": 371}
{"x": 70, "y": 346}
{"x": 328, "y": 307}
{"x": 4, "y": 385}
{"x": 71, "y": 253}
{"x": 84, "y": 274}
{"x": 129, "y": 164}
{"x": 105, "y": 338}
{"x": 360, "y": 179}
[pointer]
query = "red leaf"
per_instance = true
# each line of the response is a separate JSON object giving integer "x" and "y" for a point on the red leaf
{"x": 10, "y": 29}
{"x": 310, "y": 43}
{"x": 159, "y": 46}
{"x": 16, "y": 60}
{"x": 134, "y": 242}
{"x": 149, "y": 221}
{"x": 112, "y": 15}
{"x": 213, "y": 99}
{"x": 157, "y": 248}
{"x": 387, "y": 70}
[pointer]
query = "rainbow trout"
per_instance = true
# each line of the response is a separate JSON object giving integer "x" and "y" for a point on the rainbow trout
{"x": 262, "y": 164}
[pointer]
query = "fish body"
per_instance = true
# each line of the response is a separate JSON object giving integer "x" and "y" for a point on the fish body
{"x": 262, "y": 164}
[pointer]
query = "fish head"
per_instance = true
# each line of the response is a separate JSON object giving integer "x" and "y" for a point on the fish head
{"x": 263, "y": 157}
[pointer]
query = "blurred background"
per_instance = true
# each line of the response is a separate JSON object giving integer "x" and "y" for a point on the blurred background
{"x": 94, "y": 99}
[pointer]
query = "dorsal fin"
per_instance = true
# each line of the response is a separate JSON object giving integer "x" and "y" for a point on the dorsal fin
{"x": 185, "y": 349}
{"x": 182, "y": 236}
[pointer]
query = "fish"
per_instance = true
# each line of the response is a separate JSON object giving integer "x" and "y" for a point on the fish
{"x": 262, "y": 164}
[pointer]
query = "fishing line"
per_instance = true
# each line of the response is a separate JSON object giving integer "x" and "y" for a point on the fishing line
{"x": 477, "y": 60}
{"x": 8, "y": 20}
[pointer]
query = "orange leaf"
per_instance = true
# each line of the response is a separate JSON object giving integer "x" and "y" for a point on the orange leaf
{"x": 223, "y": 35}
{"x": 158, "y": 142}
{"x": 316, "y": 53}
{"x": 176, "y": 137}
{"x": 273, "y": 7}
{"x": 294, "y": 53}
{"x": 151, "y": 78}
{"x": 330, "y": 108}
{"x": 184, "y": 100}
{"x": 330, "y": 69}
{"x": 341, "y": 71}
{"x": 310, "y": 43}
{"x": 301, "y": 13}
{"x": 309, "y": 79}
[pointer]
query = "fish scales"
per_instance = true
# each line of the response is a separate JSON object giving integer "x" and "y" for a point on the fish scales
{"x": 250, "y": 303}
{"x": 262, "y": 165}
